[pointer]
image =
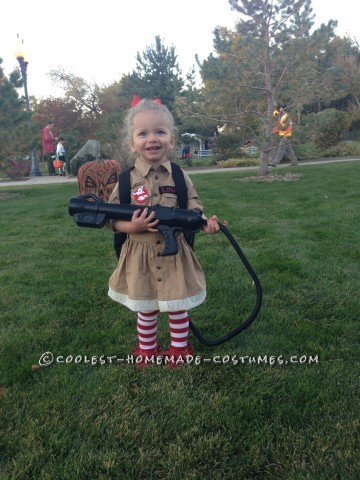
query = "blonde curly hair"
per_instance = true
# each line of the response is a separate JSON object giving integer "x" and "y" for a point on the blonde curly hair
{"x": 144, "y": 105}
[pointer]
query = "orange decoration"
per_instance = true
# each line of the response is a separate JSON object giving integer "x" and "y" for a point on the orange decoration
{"x": 98, "y": 177}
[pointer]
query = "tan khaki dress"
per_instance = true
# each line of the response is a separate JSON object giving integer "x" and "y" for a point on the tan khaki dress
{"x": 143, "y": 280}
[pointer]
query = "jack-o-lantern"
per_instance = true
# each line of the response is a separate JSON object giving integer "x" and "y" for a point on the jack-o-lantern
{"x": 98, "y": 177}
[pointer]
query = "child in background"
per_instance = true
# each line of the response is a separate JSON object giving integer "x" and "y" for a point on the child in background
{"x": 144, "y": 281}
{"x": 61, "y": 155}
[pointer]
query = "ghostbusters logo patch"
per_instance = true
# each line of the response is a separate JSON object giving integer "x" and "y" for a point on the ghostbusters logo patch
{"x": 141, "y": 194}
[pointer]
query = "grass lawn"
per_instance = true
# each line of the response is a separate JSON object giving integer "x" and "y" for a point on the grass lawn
{"x": 286, "y": 407}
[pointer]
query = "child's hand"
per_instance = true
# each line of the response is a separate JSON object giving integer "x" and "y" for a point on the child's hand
{"x": 141, "y": 223}
{"x": 212, "y": 225}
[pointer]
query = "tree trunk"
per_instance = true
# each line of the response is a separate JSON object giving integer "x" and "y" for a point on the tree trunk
{"x": 265, "y": 156}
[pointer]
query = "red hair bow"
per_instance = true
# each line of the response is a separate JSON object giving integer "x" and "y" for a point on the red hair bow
{"x": 136, "y": 99}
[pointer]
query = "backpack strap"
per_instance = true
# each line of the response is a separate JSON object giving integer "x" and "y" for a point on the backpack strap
{"x": 182, "y": 194}
{"x": 125, "y": 186}
{"x": 180, "y": 184}
{"x": 125, "y": 197}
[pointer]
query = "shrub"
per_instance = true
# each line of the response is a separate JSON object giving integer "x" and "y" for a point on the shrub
{"x": 355, "y": 125}
{"x": 309, "y": 151}
{"x": 228, "y": 145}
{"x": 306, "y": 151}
{"x": 238, "y": 162}
{"x": 326, "y": 128}
{"x": 342, "y": 149}
{"x": 15, "y": 169}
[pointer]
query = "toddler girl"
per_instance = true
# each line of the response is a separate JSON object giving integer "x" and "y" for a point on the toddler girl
{"x": 144, "y": 281}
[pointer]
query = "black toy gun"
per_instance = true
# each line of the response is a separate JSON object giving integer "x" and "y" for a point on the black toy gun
{"x": 95, "y": 213}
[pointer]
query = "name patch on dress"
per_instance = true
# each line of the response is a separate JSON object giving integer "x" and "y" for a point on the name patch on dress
{"x": 167, "y": 189}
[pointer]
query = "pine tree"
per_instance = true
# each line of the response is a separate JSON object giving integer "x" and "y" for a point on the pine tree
{"x": 15, "y": 135}
{"x": 159, "y": 74}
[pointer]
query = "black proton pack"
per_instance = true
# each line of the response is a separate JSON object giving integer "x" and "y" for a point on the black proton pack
{"x": 95, "y": 214}
{"x": 92, "y": 212}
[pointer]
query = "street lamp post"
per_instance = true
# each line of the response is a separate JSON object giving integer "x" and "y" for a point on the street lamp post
{"x": 20, "y": 55}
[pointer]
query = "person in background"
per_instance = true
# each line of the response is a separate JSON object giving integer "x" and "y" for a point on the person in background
{"x": 48, "y": 141}
{"x": 61, "y": 155}
{"x": 285, "y": 132}
{"x": 188, "y": 155}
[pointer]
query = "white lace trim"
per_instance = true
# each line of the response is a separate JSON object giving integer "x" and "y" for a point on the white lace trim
{"x": 162, "y": 305}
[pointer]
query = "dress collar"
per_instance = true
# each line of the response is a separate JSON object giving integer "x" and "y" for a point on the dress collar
{"x": 144, "y": 168}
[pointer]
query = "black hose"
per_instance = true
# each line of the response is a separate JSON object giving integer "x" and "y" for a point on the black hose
{"x": 257, "y": 306}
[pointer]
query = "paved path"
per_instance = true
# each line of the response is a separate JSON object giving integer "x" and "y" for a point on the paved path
{"x": 47, "y": 180}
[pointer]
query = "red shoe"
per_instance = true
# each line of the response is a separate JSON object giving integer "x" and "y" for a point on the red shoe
{"x": 176, "y": 357}
{"x": 145, "y": 357}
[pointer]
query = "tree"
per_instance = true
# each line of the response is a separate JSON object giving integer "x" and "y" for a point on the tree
{"x": 271, "y": 57}
{"x": 16, "y": 139}
{"x": 229, "y": 93}
{"x": 88, "y": 103}
{"x": 84, "y": 94}
{"x": 68, "y": 120}
{"x": 271, "y": 37}
{"x": 345, "y": 53}
{"x": 158, "y": 74}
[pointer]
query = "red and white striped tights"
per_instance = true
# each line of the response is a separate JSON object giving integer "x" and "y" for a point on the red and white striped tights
{"x": 147, "y": 329}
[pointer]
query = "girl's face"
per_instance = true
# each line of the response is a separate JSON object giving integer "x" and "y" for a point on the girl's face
{"x": 152, "y": 138}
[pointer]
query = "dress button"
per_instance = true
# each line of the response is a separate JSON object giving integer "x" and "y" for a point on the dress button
{"x": 158, "y": 267}
{"x": 158, "y": 254}
{"x": 156, "y": 177}
{"x": 158, "y": 279}
{"x": 155, "y": 194}
{"x": 158, "y": 242}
